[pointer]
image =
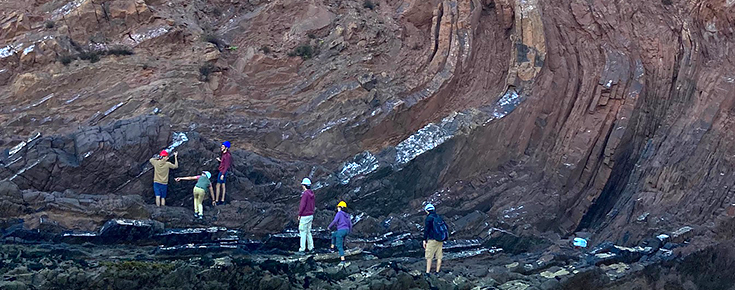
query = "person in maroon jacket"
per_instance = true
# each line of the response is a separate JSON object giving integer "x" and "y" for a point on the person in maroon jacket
{"x": 224, "y": 164}
{"x": 306, "y": 216}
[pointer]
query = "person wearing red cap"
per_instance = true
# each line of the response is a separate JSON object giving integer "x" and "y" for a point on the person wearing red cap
{"x": 161, "y": 166}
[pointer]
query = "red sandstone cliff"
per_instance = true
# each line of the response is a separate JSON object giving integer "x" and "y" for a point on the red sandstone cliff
{"x": 546, "y": 116}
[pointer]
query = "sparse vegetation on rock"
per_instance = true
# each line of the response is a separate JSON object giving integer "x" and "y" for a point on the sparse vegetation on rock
{"x": 91, "y": 56}
{"x": 95, "y": 55}
{"x": 205, "y": 70}
{"x": 66, "y": 59}
{"x": 119, "y": 50}
{"x": 305, "y": 51}
{"x": 214, "y": 39}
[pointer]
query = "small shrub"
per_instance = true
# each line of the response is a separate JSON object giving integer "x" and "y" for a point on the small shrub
{"x": 66, "y": 59}
{"x": 311, "y": 35}
{"x": 205, "y": 70}
{"x": 305, "y": 51}
{"x": 120, "y": 50}
{"x": 368, "y": 4}
{"x": 265, "y": 49}
{"x": 91, "y": 56}
{"x": 94, "y": 57}
{"x": 213, "y": 39}
{"x": 49, "y": 24}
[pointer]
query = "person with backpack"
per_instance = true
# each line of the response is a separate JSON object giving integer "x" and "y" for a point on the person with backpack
{"x": 343, "y": 225}
{"x": 203, "y": 182}
{"x": 161, "y": 166}
{"x": 435, "y": 233}
{"x": 307, "y": 206}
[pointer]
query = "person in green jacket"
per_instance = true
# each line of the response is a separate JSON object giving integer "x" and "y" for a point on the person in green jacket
{"x": 200, "y": 188}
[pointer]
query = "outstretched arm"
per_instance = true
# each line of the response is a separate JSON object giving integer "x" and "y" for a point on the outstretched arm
{"x": 187, "y": 178}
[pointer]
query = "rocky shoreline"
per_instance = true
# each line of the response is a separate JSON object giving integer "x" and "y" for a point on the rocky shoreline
{"x": 129, "y": 254}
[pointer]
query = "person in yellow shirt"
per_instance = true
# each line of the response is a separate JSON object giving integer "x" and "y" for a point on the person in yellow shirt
{"x": 161, "y": 166}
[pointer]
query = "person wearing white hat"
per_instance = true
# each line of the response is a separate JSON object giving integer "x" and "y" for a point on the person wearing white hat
{"x": 435, "y": 233}
{"x": 203, "y": 181}
{"x": 307, "y": 206}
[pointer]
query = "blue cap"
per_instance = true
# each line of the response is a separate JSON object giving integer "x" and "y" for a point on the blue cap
{"x": 226, "y": 143}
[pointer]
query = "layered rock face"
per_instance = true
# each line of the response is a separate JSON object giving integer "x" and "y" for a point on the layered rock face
{"x": 540, "y": 118}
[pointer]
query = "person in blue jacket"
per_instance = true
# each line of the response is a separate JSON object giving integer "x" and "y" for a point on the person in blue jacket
{"x": 432, "y": 242}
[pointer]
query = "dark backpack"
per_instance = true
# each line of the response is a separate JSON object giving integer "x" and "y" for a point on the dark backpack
{"x": 440, "y": 229}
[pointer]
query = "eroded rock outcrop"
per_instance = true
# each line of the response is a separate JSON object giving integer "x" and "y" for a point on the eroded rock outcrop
{"x": 94, "y": 160}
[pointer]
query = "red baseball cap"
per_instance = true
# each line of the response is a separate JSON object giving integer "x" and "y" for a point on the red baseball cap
{"x": 164, "y": 153}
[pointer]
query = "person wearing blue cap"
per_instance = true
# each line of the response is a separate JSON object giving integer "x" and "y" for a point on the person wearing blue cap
{"x": 200, "y": 191}
{"x": 225, "y": 161}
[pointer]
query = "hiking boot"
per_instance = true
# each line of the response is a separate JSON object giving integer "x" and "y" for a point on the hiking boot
{"x": 427, "y": 275}
{"x": 343, "y": 264}
{"x": 201, "y": 216}
{"x": 300, "y": 253}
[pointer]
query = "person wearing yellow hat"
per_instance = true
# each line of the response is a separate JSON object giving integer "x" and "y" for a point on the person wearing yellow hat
{"x": 343, "y": 223}
{"x": 203, "y": 181}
